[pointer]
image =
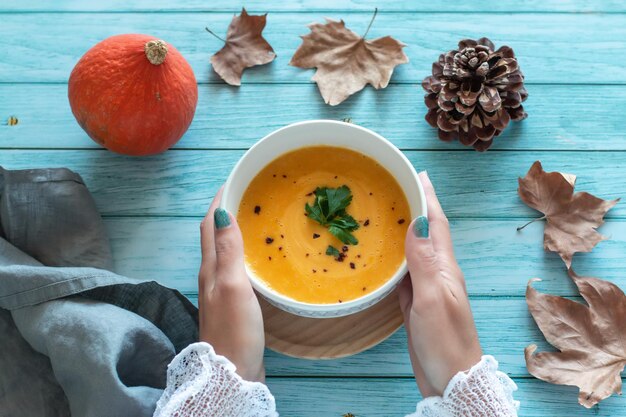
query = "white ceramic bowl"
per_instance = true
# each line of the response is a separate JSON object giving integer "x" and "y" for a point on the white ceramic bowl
{"x": 334, "y": 133}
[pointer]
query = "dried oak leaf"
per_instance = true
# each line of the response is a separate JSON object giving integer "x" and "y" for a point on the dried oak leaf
{"x": 244, "y": 47}
{"x": 591, "y": 338}
{"x": 346, "y": 62}
{"x": 571, "y": 218}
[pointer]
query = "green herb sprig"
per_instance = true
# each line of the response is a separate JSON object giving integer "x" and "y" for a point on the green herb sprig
{"x": 329, "y": 210}
{"x": 332, "y": 251}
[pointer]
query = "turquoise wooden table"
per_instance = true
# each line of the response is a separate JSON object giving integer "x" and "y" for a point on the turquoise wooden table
{"x": 572, "y": 53}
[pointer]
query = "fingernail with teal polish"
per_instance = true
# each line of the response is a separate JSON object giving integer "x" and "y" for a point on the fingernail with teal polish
{"x": 222, "y": 219}
{"x": 420, "y": 227}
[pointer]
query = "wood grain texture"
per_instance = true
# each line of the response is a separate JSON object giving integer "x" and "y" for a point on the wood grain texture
{"x": 569, "y": 50}
{"x": 228, "y": 118}
{"x": 504, "y": 336}
{"x": 496, "y": 260}
{"x": 308, "y": 397}
{"x": 262, "y": 6}
{"x": 182, "y": 183}
{"x": 331, "y": 338}
{"x": 167, "y": 250}
{"x": 45, "y": 47}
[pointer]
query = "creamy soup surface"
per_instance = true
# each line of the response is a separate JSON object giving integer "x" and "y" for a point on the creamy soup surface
{"x": 287, "y": 249}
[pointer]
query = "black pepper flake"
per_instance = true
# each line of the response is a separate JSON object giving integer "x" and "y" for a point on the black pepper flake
{"x": 307, "y": 255}
{"x": 344, "y": 248}
{"x": 315, "y": 270}
{"x": 284, "y": 256}
{"x": 359, "y": 256}
{"x": 371, "y": 193}
{"x": 282, "y": 236}
{"x": 257, "y": 209}
{"x": 340, "y": 257}
{"x": 401, "y": 221}
{"x": 284, "y": 176}
{"x": 325, "y": 270}
{"x": 352, "y": 265}
{"x": 335, "y": 177}
{"x": 268, "y": 240}
{"x": 393, "y": 208}
{"x": 364, "y": 288}
{"x": 274, "y": 175}
{"x": 294, "y": 182}
{"x": 367, "y": 222}
{"x": 269, "y": 257}
{"x": 340, "y": 301}
{"x": 315, "y": 235}
{"x": 280, "y": 248}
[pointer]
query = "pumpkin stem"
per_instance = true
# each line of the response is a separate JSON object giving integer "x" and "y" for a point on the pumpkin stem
{"x": 156, "y": 51}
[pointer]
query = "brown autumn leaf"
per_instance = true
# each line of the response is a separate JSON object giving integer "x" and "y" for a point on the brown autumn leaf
{"x": 591, "y": 339}
{"x": 244, "y": 47}
{"x": 571, "y": 218}
{"x": 346, "y": 62}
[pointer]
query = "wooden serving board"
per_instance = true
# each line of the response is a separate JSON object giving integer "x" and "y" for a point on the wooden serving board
{"x": 309, "y": 338}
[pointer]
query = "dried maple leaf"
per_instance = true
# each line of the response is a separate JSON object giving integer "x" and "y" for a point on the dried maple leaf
{"x": 591, "y": 338}
{"x": 571, "y": 218}
{"x": 244, "y": 47}
{"x": 346, "y": 62}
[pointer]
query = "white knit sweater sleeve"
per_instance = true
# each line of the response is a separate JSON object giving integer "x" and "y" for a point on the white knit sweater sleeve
{"x": 483, "y": 391}
{"x": 203, "y": 383}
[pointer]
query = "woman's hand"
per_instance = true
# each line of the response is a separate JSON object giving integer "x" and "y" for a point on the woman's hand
{"x": 437, "y": 316}
{"x": 230, "y": 315}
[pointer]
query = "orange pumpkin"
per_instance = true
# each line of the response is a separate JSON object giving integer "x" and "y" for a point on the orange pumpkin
{"x": 133, "y": 94}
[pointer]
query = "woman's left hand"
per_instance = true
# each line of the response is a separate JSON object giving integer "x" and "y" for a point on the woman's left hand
{"x": 230, "y": 315}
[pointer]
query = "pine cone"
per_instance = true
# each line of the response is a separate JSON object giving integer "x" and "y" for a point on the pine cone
{"x": 474, "y": 92}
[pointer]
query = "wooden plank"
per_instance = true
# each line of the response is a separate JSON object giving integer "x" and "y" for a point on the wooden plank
{"x": 45, "y": 47}
{"x": 495, "y": 258}
{"x": 227, "y": 118}
{"x": 167, "y": 250}
{"x": 503, "y": 335}
{"x": 262, "y": 6}
{"x": 306, "y": 397}
{"x": 182, "y": 183}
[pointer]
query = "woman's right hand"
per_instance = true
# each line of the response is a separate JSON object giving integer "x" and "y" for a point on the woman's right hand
{"x": 230, "y": 315}
{"x": 442, "y": 336}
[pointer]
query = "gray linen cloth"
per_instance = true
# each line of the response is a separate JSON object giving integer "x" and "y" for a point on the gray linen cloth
{"x": 75, "y": 338}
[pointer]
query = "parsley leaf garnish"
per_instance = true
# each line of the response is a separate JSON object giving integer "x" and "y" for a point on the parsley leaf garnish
{"x": 329, "y": 209}
{"x": 343, "y": 234}
{"x": 332, "y": 251}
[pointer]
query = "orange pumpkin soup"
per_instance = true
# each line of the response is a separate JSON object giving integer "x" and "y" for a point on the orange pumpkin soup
{"x": 287, "y": 249}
